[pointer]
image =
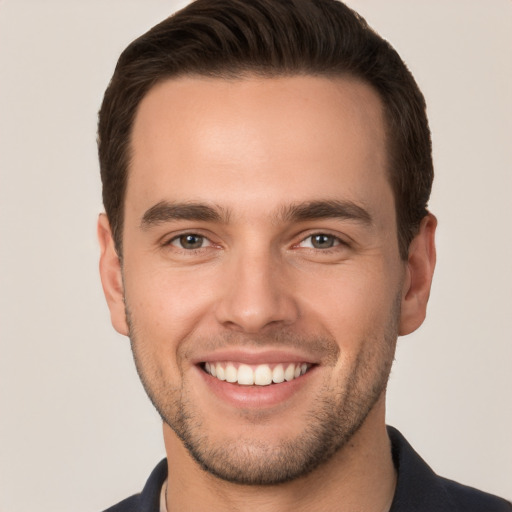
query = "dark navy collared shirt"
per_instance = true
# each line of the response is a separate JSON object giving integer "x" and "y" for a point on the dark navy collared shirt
{"x": 418, "y": 488}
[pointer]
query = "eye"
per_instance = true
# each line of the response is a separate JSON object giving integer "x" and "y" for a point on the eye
{"x": 190, "y": 241}
{"x": 320, "y": 241}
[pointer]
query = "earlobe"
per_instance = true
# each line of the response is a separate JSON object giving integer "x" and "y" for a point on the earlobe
{"x": 420, "y": 269}
{"x": 111, "y": 276}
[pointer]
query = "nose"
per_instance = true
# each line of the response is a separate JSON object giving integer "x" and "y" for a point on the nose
{"x": 256, "y": 294}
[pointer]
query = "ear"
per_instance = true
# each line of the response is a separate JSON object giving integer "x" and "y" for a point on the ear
{"x": 420, "y": 269}
{"x": 111, "y": 276}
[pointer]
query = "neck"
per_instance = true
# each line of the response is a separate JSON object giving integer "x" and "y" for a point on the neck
{"x": 359, "y": 477}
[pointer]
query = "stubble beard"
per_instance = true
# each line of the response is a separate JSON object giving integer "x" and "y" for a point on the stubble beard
{"x": 337, "y": 414}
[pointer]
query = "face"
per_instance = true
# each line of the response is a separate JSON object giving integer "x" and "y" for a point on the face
{"x": 261, "y": 274}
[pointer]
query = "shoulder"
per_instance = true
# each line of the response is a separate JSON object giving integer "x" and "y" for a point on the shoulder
{"x": 419, "y": 489}
{"x": 473, "y": 500}
{"x": 149, "y": 499}
{"x": 130, "y": 504}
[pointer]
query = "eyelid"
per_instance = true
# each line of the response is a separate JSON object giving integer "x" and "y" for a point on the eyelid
{"x": 168, "y": 239}
{"x": 339, "y": 240}
{"x": 174, "y": 237}
{"x": 178, "y": 237}
{"x": 336, "y": 242}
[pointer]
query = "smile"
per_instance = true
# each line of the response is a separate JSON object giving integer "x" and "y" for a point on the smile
{"x": 255, "y": 375}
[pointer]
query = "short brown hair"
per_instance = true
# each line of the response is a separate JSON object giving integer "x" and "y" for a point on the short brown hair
{"x": 231, "y": 38}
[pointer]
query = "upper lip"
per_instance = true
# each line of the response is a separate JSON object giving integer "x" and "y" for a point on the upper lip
{"x": 254, "y": 357}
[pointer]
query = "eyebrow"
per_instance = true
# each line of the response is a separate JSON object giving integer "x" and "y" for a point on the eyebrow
{"x": 165, "y": 211}
{"x": 329, "y": 209}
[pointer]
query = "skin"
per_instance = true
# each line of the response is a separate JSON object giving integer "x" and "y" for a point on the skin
{"x": 253, "y": 149}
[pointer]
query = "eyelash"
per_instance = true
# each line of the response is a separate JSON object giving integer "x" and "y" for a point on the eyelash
{"x": 188, "y": 234}
{"x": 335, "y": 240}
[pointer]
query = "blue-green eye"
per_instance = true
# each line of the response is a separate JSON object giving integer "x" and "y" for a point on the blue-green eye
{"x": 190, "y": 241}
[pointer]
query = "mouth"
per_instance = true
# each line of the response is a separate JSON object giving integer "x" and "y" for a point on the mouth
{"x": 265, "y": 374}
{"x": 257, "y": 380}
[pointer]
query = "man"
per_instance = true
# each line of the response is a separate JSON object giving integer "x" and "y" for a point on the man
{"x": 266, "y": 168}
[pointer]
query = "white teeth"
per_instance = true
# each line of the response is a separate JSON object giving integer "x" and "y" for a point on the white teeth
{"x": 289, "y": 373}
{"x": 231, "y": 373}
{"x": 278, "y": 374}
{"x": 245, "y": 375}
{"x": 261, "y": 375}
{"x": 221, "y": 374}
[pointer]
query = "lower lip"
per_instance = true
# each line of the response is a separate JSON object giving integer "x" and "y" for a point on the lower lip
{"x": 255, "y": 397}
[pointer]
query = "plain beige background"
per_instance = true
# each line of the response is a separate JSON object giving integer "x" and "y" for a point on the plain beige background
{"x": 76, "y": 429}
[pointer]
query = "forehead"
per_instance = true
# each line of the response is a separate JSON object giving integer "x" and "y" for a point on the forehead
{"x": 257, "y": 140}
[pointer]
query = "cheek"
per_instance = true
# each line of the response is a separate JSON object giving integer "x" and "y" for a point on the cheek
{"x": 353, "y": 302}
{"x": 165, "y": 303}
